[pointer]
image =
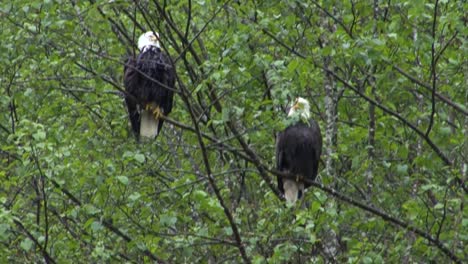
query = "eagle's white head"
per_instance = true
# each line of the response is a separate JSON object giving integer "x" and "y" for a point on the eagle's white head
{"x": 301, "y": 107}
{"x": 148, "y": 39}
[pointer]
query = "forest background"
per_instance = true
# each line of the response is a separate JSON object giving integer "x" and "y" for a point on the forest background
{"x": 386, "y": 80}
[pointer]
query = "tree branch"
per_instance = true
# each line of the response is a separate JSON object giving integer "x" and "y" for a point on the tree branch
{"x": 211, "y": 180}
{"x": 255, "y": 160}
{"x": 406, "y": 122}
{"x": 47, "y": 257}
{"x": 428, "y": 87}
{"x": 337, "y": 21}
{"x": 433, "y": 71}
{"x": 106, "y": 223}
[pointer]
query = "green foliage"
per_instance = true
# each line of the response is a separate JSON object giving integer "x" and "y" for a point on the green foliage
{"x": 77, "y": 188}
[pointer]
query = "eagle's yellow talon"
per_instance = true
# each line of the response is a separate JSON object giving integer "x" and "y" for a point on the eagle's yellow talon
{"x": 157, "y": 112}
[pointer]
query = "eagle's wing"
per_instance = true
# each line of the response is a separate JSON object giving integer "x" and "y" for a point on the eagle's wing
{"x": 280, "y": 162}
{"x": 131, "y": 82}
{"x": 314, "y": 145}
{"x": 167, "y": 76}
{"x": 286, "y": 156}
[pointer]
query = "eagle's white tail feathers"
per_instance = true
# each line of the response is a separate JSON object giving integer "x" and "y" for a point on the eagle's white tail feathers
{"x": 291, "y": 190}
{"x": 148, "y": 125}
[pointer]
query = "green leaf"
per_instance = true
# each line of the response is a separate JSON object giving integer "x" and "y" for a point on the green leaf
{"x": 26, "y": 244}
{"x": 123, "y": 179}
{"x": 91, "y": 209}
{"x": 228, "y": 231}
{"x": 168, "y": 220}
{"x": 139, "y": 158}
{"x": 134, "y": 196}
{"x": 96, "y": 226}
{"x": 402, "y": 169}
{"x": 315, "y": 206}
{"x": 4, "y": 231}
{"x": 39, "y": 135}
{"x": 226, "y": 114}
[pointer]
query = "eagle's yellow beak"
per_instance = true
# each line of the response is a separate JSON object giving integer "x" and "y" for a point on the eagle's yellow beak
{"x": 296, "y": 105}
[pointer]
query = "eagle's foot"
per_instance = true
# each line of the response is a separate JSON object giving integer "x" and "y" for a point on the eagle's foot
{"x": 299, "y": 178}
{"x": 157, "y": 112}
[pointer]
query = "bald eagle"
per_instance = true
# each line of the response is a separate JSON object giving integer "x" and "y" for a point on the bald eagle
{"x": 149, "y": 84}
{"x": 298, "y": 150}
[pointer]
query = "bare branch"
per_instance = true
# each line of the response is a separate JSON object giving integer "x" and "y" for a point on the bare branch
{"x": 215, "y": 188}
{"x": 428, "y": 87}
{"x": 433, "y": 71}
{"x": 47, "y": 257}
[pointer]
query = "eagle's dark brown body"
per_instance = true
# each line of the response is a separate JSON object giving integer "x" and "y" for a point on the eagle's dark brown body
{"x": 149, "y": 81}
{"x": 298, "y": 150}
